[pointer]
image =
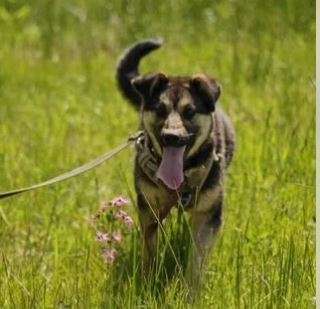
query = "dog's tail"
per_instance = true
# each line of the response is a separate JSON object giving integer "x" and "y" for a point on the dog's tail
{"x": 128, "y": 67}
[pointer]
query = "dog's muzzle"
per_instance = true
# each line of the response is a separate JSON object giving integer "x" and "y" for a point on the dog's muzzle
{"x": 174, "y": 140}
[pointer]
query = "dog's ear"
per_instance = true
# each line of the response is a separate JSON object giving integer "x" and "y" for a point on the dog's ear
{"x": 150, "y": 86}
{"x": 207, "y": 89}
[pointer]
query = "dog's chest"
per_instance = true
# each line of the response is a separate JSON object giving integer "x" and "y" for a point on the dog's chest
{"x": 157, "y": 196}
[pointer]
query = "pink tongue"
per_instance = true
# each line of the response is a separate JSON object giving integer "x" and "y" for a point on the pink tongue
{"x": 171, "y": 168}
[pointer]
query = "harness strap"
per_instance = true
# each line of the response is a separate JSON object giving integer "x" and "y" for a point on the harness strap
{"x": 146, "y": 159}
{"x": 77, "y": 171}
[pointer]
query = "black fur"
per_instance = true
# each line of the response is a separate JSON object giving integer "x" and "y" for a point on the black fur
{"x": 200, "y": 157}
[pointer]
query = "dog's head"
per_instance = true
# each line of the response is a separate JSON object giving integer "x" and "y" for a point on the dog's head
{"x": 176, "y": 112}
{"x": 177, "y": 115}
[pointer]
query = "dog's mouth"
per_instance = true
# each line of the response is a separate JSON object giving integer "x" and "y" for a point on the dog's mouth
{"x": 172, "y": 158}
{"x": 170, "y": 171}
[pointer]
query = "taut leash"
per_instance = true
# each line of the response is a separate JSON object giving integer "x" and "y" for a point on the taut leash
{"x": 77, "y": 171}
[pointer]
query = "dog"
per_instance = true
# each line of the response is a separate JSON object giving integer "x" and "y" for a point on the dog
{"x": 182, "y": 157}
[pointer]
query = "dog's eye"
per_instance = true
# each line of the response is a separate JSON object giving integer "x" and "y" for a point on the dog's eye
{"x": 189, "y": 112}
{"x": 161, "y": 110}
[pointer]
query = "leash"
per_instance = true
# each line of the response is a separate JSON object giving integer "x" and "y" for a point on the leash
{"x": 77, "y": 171}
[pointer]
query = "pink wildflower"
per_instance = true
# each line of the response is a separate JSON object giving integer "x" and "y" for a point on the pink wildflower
{"x": 119, "y": 201}
{"x": 124, "y": 217}
{"x": 128, "y": 222}
{"x": 121, "y": 215}
{"x": 103, "y": 237}
{"x": 117, "y": 237}
{"x": 109, "y": 255}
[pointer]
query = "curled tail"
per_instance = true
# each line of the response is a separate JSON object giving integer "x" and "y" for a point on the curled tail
{"x": 128, "y": 67}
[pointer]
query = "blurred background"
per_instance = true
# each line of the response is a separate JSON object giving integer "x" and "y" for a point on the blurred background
{"x": 60, "y": 107}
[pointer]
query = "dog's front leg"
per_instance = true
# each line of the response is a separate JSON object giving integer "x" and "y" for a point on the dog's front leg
{"x": 149, "y": 228}
{"x": 205, "y": 226}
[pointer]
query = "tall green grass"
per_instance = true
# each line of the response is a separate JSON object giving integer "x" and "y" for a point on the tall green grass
{"x": 59, "y": 107}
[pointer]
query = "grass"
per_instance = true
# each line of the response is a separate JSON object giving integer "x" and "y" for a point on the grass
{"x": 59, "y": 107}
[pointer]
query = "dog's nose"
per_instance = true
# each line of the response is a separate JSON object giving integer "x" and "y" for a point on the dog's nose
{"x": 174, "y": 140}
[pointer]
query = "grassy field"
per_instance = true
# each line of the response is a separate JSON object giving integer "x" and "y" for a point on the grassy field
{"x": 59, "y": 107}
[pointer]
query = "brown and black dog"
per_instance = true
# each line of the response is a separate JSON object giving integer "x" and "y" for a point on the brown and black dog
{"x": 186, "y": 147}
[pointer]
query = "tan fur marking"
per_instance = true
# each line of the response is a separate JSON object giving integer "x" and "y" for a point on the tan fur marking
{"x": 185, "y": 100}
{"x": 207, "y": 199}
{"x": 166, "y": 101}
{"x": 205, "y": 125}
